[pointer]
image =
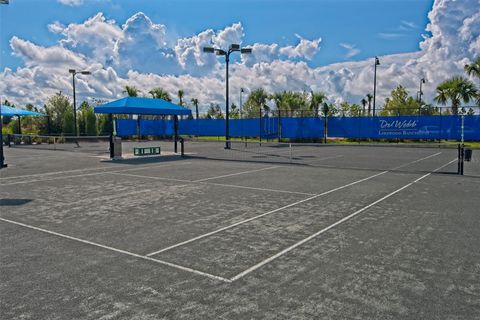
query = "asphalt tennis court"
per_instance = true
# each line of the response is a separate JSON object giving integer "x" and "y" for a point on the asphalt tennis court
{"x": 338, "y": 232}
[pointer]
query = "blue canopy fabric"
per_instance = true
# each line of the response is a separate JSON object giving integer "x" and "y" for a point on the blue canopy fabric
{"x": 142, "y": 106}
{"x": 11, "y": 112}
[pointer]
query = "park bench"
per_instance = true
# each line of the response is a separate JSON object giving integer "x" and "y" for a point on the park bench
{"x": 145, "y": 151}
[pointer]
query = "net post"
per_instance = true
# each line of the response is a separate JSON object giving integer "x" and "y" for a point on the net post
{"x": 290, "y": 149}
{"x": 461, "y": 156}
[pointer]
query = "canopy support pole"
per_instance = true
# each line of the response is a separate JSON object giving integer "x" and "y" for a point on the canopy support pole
{"x": 112, "y": 151}
{"x": 175, "y": 132}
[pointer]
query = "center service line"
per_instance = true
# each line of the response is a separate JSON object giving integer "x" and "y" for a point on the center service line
{"x": 263, "y": 214}
{"x": 281, "y": 253}
{"x": 282, "y": 208}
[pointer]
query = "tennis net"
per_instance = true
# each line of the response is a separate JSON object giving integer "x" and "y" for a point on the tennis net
{"x": 393, "y": 157}
{"x": 88, "y": 144}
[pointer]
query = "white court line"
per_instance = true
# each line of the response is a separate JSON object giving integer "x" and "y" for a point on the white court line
{"x": 281, "y": 253}
{"x": 59, "y": 172}
{"x": 214, "y": 184}
{"x": 173, "y": 265}
{"x": 96, "y": 173}
{"x": 425, "y": 158}
{"x": 262, "y": 215}
{"x": 235, "y": 174}
{"x": 276, "y": 210}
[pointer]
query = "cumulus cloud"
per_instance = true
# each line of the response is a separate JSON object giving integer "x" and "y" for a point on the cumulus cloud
{"x": 351, "y": 50}
{"x": 305, "y": 49}
{"x": 138, "y": 53}
{"x": 72, "y": 3}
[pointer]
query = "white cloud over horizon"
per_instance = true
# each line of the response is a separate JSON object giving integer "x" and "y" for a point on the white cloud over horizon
{"x": 138, "y": 53}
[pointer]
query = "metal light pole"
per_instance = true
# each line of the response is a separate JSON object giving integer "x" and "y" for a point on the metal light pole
{"x": 241, "y": 108}
{"x": 377, "y": 62}
{"x": 226, "y": 53}
{"x": 74, "y": 73}
{"x": 2, "y": 157}
{"x": 420, "y": 93}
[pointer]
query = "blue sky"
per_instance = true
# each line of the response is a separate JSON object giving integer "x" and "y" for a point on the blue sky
{"x": 374, "y": 27}
{"x": 303, "y": 45}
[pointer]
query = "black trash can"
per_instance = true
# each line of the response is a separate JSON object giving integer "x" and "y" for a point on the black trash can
{"x": 468, "y": 154}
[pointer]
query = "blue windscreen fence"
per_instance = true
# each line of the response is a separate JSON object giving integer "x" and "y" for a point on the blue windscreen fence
{"x": 402, "y": 127}
{"x": 405, "y": 127}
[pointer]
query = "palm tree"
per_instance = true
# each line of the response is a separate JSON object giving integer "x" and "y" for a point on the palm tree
{"x": 195, "y": 103}
{"x": 317, "y": 98}
{"x": 159, "y": 93}
{"x": 457, "y": 90}
{"x": 131, "y": 91}
{"x": 473, "y": 69}
{"x": 364, "y": 104}
{"x": 180, "y": 94}
{"x": 369, "y": 99}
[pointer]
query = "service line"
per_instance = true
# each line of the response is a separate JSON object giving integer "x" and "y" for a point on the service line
{"x": 301, "y": 242}
{"x": 173, "y": 265}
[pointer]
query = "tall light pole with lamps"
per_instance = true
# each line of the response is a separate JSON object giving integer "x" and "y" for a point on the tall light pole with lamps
{"x": 377, "y": 63}
{"x": 74, "y": 73}
{"x": 2, "y": 158}
{"x": 226, "y": 53}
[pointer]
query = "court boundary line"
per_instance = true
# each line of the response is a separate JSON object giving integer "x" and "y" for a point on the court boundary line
{"x": 344, "y": 219}
{"x": 96, "y": 173}
{"x": 136, "y": 255}
{"x": 284, "y": 207}
{"x": 59, "y": 172}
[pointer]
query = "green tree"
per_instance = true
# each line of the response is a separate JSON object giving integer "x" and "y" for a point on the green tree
{"x": 291, "y": 102}
{"x": 256, "y": 101}
{"x": 473, "y": 69}
{"x": 329, "y": 109}
{"x": 234, "y": 112}
{"x": 195, "y": 103}
{"x": 457, "y": 90}
{"x": 400, "y": 103}
{"x": 81, "y": 117}
{"x": 369, "y": 100}
{"x": 344, "y": 109}
{"x": 131, "y": 91}
{"x": 214, "y": 112}
{"x": 160, "y": 93}
{"x": 355, "y": 110}
{"x": 104, "y": 126}
{"x": 364, "y": 104}
{"x": 91, "y": 122}
{"x": 180, "y": 94}
{"x": 67, "y": 123}
{"x": 316, "y": 100}
{"x": 59, "y": 109}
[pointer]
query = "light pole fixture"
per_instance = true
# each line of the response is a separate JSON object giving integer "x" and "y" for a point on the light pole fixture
{"x": 226, "y": 53}
{"x": 377, "y": 62}
{"x": 74, "y": 73}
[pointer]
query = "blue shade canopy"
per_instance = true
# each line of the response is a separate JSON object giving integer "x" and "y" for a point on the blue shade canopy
{"x": 142, "y": 106}
{"x": 11, "y": 112}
